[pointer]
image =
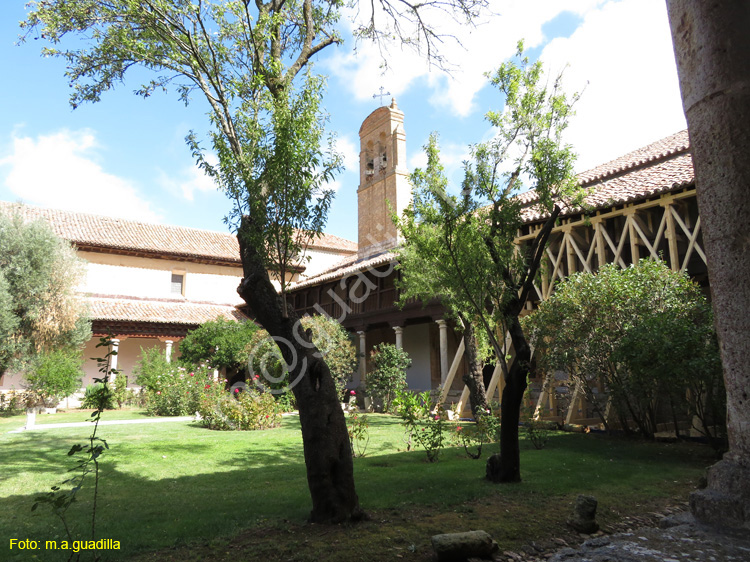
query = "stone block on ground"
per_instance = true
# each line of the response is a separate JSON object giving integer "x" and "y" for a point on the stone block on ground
{"x": 583, "y": 519}
{"x": 459, "y": 547}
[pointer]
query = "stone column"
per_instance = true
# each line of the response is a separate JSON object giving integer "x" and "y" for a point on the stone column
{"x": 399, "y": 336}
{"x": 711, "y": 45}
{"x": 362, "y": 356}
{"x": 169, "y": 350}
{"x": 113, "y": 358}
{"x": 443, "y": 349}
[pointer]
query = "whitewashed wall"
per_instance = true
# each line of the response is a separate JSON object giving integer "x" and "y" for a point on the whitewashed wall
{"x": 152, "y": 278}
{"x": 320, "y": 260}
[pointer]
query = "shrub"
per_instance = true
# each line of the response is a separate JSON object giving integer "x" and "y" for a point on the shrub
{"x": 425, "y": 424}
{"x": 359, "y": 433}
{"x": 98, "y": 396}
{"x": 12, "y": 402}
{"x": 246, "y": 410}
{"x": 55, "y": 375}
{"x": 179, "y": 391}
{"x": 642, "y": 337}
{"x": 151, "y": 367}
{"x": 389, "y": 376}
{"x": 473, "y": 435}
{"x": 536, "y": 430}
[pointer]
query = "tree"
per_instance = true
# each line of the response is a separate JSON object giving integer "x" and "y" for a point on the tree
{"x": 336, "y": 347}
{"x": 641, "y": 337}
{"x": 221, "y": 344}
{"x": 39, "y": 310}
{"x": 389, "y": 376}
{"x": 331, "y": 340}
{"x": 473, "y": 234}
{"x": 433, "y": 228}
{"x": 711, "y": 45}
{"x": 55, "y": 375}
{"x": 246, "y": 59}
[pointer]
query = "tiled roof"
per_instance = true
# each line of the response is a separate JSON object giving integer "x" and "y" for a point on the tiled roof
{"x": 660, "y": 167}
{"x": 346, "y": 266}
{"x": 657, "y": 168}
{"x": 117, "y": 308}
{"x": 120, "y": 234}
{"x": 335, "y": 243}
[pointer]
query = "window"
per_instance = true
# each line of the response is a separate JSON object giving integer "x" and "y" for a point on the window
{"x": 178, "y": 284}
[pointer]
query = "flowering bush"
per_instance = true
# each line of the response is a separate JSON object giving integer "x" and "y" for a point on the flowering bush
{"x": 473, "y": 435}
{"x": 246, "y": 410}
{"x": 423, "y": 426}
{"x": 178, "y": 391}
{"x": 359, "y": 434}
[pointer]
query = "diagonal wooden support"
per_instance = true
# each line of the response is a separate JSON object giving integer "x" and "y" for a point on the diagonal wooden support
{"x": 452, "y": 371}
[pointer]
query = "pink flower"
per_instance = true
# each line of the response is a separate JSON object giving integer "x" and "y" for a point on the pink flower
{"x": 267, "y": 416}
{"x": 437, "y": 417}
{"x": 236, "y": 390}
{"x": 257, "y": 376}
{"x": 158, "y": 392}
{"x": 192, "y": 374}
{"x": 458, "y": 428}
{"x": 423, "y": 429}
{"x": 352, "y": 393}
{"x": 207, "y": 387}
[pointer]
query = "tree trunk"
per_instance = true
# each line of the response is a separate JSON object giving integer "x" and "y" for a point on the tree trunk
{"x": 474, "y": 377}
{"x": 328, "y": 455}
{"x": 507, "y": 466}
{"x": 711, "y": 43}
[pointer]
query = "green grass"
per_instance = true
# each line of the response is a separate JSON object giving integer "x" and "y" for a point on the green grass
{"x": 17, "y": 421}
{"x": 179, "y": 486}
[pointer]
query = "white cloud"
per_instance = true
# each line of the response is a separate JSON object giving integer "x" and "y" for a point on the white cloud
{"x": 624, "y": 52}
{"x": 190, "y": 180}
{"x": 349, "y": 151}
{"x": 59, "y": 170}
{"x": 621, "y": 54}
{"x": 481, "y": 49}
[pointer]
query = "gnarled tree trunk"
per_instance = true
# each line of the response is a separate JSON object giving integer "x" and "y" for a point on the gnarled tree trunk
{"x": 328, "y": 456}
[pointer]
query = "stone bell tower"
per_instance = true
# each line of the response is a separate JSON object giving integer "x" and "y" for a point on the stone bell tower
{"x": 384, "y": 186}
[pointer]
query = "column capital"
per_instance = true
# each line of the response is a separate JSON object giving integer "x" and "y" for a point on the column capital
{"x": 442, "y": 324}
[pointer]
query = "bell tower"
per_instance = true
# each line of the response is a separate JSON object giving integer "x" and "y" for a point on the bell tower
{"x": 384, "y": 186}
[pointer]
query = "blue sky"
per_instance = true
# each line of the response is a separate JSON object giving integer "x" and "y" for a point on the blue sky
{"x": 126, "y": 156}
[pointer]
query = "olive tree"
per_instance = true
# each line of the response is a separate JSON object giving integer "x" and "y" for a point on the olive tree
{"x": 39, "y": 309}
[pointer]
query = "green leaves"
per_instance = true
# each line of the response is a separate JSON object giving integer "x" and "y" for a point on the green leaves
{"x": 643, "y": 334}
{"x": 39, "y": 310}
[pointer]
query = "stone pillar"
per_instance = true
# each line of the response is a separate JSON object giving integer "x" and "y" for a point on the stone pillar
{"x": 362, "y": 356}
{"x": 711, "y": 45}
{"x": 169, "y": 350}
{"x": 113, "y": 358}
{"x": 443, "y": 349}
{"x": 399, "y": 336}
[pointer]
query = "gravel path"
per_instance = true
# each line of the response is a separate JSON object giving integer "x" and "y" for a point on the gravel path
{"x": 679, "y": 539}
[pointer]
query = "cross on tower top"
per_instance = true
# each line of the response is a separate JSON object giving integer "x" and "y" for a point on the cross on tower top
{"x": 381, "y": 95}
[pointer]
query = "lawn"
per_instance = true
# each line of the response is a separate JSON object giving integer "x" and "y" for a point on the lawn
{"x": 177, "y": 491}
